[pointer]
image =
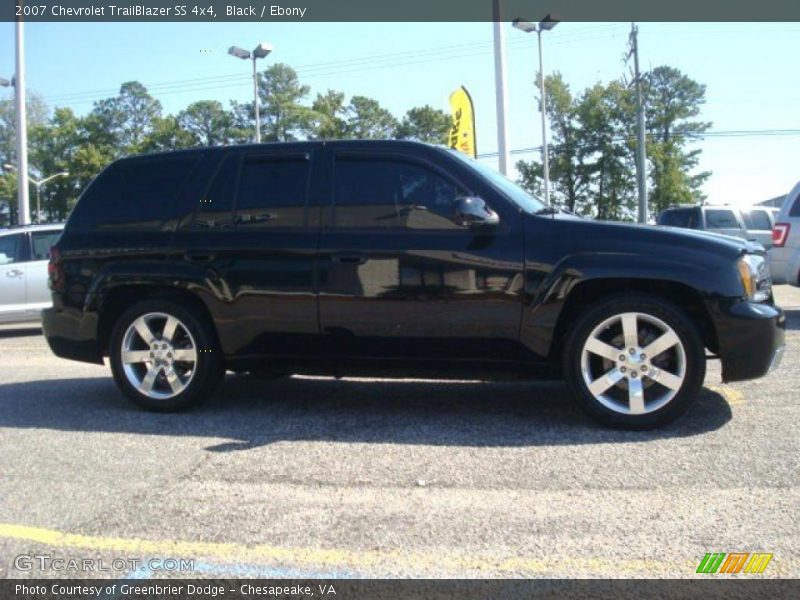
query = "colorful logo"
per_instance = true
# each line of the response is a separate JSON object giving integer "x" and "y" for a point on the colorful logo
{"x": 734, "y": 562}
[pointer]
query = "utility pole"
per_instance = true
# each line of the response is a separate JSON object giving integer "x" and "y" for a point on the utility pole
{"x": 641, "y": 150}
{"x": 500, "y": 88}
{"x": 545, "y": 155}
{"x": 23, "y": 210}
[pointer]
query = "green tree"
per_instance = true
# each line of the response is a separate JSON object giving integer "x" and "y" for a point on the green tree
{"x": 52, "y": 150}
{"x": 368, "y": 120}
{"x": 604, "y": 115}
{"x": 329, "y": 116}
{"x": 166, "y": 134}
{"x": 127, "y": 118}
{"x": 207, "y": 123}
{"x": 569, "y": 181}
{"x": 283, "y": 116}
{"x": 425, "y": 124}
{"x": 672, "y": 104}
{"x": 37, "y": 114}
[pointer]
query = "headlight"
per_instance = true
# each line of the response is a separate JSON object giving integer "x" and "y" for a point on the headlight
{"x": 755, "y": 276}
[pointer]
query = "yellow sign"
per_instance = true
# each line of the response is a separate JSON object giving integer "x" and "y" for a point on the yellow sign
{"x": 462, "y": 132}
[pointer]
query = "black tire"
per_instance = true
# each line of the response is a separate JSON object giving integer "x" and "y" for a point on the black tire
{"x": 668, "y": 313}
{"x": 208, "y": 368}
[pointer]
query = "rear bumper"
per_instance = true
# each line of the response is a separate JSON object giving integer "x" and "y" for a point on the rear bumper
{"x": 784, "y": 263}
{"x": 72, "y": 335}
{"x": 751, "y": 337}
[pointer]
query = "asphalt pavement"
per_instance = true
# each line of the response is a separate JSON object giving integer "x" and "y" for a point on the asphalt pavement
{"x": 317, "y": 477}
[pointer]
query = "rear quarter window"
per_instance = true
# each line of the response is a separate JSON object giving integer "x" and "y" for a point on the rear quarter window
{"x": 721, "y": 219}
{"x": 795, "y": 210}
{"x": 137, "y": 193}
{"x": 684, "y": 217}
{"x": 757, "y": 220}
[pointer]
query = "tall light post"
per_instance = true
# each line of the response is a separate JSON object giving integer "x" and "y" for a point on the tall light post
{"x": 260, "y": 51}
{"x": 38, "y": 183}
{"x": 23, "y": 209}
{"x": 500, "y": 88}
{"x": 545, "y": 24}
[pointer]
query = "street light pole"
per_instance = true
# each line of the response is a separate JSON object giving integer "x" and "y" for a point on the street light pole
{"x": 260, "y": 51}
{"x": 545, "y": 24}
{"x": 545, "y": 155}
{"x": 23, "y": 210}
{"x": 255, "y": 101}
{"x": 38, "y": 183}
{"x": 500, "y": 88}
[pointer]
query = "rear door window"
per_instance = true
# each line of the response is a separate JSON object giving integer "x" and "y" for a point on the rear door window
{"x": 273, "y": 189}
{"x": 215, "y": 209}
{"x": 757, "y": 220}
{"x": 10, "y": 248}
{"x": 41, "y": 242}
{"x": 721, "y": 219}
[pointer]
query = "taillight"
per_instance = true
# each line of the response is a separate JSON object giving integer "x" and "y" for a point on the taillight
{"x": 55, "y": 270}
{"x": 779, "y": 234}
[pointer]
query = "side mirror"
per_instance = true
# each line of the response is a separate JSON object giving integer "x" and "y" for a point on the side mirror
{"x": 471, "y": 211}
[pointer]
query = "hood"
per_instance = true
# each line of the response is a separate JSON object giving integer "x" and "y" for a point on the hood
{"x": 632, "y": 235}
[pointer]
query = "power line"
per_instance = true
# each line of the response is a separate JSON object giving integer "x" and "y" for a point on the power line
{"x": 421, "y": 56}
{"x": 736, "y": 133}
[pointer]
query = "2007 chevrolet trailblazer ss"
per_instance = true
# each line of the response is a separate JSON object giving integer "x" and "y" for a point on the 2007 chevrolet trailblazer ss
{"x": 363, "y": 257}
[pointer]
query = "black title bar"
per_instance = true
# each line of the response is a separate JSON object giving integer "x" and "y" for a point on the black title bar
{"x": 443, "y": 11}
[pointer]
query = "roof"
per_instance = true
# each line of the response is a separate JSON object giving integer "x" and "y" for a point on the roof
{"x": 300, "y": 144}
{"x": 777, "y": 201}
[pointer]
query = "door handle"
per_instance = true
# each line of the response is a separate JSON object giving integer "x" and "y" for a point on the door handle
{"x": 350, "y": 258}
{"x": 14, "y": 273}
{"x": 200, "y": 256}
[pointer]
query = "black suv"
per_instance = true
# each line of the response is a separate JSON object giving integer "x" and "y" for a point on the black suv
{"x": 365, "y": 257}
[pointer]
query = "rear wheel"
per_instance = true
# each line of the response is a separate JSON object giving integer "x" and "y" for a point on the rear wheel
{"x": 163, "y": 357}
{"x": 634, "y": 362}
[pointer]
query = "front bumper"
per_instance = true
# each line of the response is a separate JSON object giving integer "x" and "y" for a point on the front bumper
{"x": 750, "y": 335}
{"x": 72, "y": 335}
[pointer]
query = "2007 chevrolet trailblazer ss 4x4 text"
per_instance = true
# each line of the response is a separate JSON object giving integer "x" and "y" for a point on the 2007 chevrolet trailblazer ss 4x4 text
{"x": 393, "y": 257}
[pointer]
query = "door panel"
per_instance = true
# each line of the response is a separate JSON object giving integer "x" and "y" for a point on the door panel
{"x": 12, "y": 278}
{"x": 252, "y": 248}
{"x": 408, "y": 282}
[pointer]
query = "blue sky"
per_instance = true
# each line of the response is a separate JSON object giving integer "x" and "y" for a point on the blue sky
{"x": 749, "y": 70}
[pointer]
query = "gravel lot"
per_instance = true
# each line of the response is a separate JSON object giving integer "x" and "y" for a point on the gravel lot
{"x": 317, "y": 477}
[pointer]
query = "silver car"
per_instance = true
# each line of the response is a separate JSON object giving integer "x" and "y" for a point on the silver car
{"x": 24, "y": 252}
{"x": 784, "y": 256}
{"x": 754, "y": 223}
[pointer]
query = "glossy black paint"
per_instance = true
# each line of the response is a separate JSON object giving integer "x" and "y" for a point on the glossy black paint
{"x": 305, "y": 292}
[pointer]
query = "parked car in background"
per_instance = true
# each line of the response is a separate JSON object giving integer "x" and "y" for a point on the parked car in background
{"x": 759, "y": 221}
{"x": 369, "y": 257}
{"x": 784, "y": 256}
{"x": 753, "y": 223}
{"x": 24, "y": 252}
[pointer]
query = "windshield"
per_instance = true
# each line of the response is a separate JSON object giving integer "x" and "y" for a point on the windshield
{"x": 520, "y": 197}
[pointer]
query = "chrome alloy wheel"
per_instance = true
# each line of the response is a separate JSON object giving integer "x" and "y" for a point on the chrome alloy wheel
{"x": 633, "y": 363}
{"x": 158, "y": 355}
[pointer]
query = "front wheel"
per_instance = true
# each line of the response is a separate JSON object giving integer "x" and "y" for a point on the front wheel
{"x": 163, "y": 357}
{"x": 634, "y": 362}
